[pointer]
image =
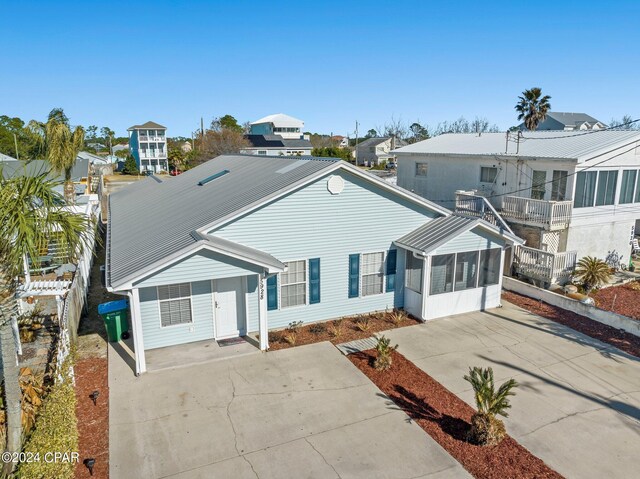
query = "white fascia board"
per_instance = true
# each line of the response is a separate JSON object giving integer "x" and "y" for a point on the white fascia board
{"x": 127, "y": 283}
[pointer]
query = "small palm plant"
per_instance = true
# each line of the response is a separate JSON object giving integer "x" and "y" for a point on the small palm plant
{"x": 592, "y": 273}
{"x": 384, "y": 349}
{"x": 486, "y": 429}
{"x": 363, "y": 323}
{"x": 397, "y": 317}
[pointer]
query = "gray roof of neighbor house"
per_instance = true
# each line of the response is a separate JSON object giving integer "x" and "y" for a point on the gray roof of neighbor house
{"x": 149, "y": 124}
{"x": 567, "y": 118}
{"x": 276, "y": 141}
{"x": 13, "y": 167}
{"x": 373, "y": 141}
{"x": 434, "y": 234}
{"x": 576, "y": 145}
{"x": 154, "y": 220}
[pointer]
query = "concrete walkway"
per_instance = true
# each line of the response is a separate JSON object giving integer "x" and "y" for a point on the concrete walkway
{"x": 304, "y": 412}
{"x": 578, "y": 403}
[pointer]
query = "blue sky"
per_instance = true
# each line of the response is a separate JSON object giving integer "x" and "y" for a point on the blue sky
{"x": 329, "y": 63}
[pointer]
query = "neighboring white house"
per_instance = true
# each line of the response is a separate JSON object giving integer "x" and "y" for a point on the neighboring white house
{"x": 279, "y": 124}
{"x": 557, "y": 120}
{"x": 278, "y": 135}
{"x": 340, "y": 141}
{"x": 568, "y": 194}
{"x": 148, "y": 145}
{"x": 374, "y": 151}
{"x": 253, "y": 245}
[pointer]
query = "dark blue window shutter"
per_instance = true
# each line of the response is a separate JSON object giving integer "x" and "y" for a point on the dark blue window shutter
{"x": 391, "y": 270}
{"x": 354, "y": 275}
{"x": 272, "y": 292}
{"x": 314, "y": 280}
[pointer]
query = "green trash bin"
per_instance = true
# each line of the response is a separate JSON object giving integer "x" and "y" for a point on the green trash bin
{"x": 116, "y": 319}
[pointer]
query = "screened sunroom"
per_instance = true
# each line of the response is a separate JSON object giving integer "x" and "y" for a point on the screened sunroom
{"x": 453, "y": 266}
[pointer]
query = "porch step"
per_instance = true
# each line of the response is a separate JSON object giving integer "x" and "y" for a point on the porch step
{"x": 357, "y": 345}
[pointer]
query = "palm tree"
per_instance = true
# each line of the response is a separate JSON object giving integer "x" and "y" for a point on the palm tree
{"x": 30, "y": 212}
{"x": 60, "y": 146}
{"x": 532, "y": 107}
{"x": 592, "y": 272}
{"x": 486, "y": 429}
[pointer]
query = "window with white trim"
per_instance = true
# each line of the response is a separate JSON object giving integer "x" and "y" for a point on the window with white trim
{"x": 293, "y": 284}
{"x": 414, "y": 272}
{"x": 421, "y": 169}
{"x": 372, "y": 273}
{"x": 488, "y": 174}
{"x": 175, "y": 304}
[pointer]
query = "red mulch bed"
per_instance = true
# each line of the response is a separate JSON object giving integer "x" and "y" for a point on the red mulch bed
{"x": 93, "y": 421}
{"x": 446, "y": 418}
{"x": 622, "y": 340}
{"x": 623, "y": 299}
{"x": 349, "y": 331}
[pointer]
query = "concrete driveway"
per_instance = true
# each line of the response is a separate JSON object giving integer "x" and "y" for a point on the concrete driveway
{"x": 578, "y": 404}
{"x": 305, "y": 412}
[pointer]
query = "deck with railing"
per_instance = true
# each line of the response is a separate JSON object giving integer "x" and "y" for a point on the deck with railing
{"x": 543, "y": 266}
{"x": 470, "y": 204}
{"x": 550, "y": 215}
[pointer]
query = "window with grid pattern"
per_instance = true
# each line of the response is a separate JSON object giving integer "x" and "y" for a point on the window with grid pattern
{"x": 372, "y": 273}
{"x": 175, "y": 304}
{"x": 293, "y": 284}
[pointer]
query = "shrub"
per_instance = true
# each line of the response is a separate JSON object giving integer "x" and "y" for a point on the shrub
{"x": 335, "y": 328}
{"x": 56, "y": 430}
{"x": 363, "y": 323}
{"x": 293, "y": 325}
{"x": 397, "y": 317}
{"x": 591, "y": 273}
{"x": 317, "y": 328}
{"x": 486, "y": 429}
{"x": 384, "y": 350}
{"x": 291, "y": 338}
{"x": 32, "y": 393}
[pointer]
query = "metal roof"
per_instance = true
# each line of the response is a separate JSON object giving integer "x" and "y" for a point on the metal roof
{"x": 576, "y": 145}
{"x": 13, "y": 167}
{"x": 243, "y": 252}
{"x": 149, "y": 124}
{"x": 279, "y": 119}
{"x": 153, "y": 220}
{"x": 439, "y": 231}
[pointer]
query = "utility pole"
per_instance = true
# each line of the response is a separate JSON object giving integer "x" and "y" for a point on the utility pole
{"x": 202, "y": 133}
{"x": 15, "y": 140}
{"x": 356, "y": 142}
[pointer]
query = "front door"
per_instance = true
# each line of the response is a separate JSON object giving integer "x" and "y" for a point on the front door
{"x": 229, "y": 307}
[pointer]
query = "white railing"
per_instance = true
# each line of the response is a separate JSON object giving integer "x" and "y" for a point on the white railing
{"x": 470, "y": 204}
{"x": 551, "y": 215}
{"x": 543, "y": 266}
{"x": 153, "y": 153}
{"x": 151, "y": 138}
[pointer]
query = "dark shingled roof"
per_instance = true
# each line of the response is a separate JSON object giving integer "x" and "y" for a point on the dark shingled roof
{"x": 276, "y": 141}
{"x": 149, "y": 124}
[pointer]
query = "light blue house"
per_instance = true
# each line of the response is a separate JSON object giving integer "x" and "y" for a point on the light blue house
{"x": 243, "y": 244}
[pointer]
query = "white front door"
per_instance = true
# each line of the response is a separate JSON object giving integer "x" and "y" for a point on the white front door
{"x": 229, "y": 307}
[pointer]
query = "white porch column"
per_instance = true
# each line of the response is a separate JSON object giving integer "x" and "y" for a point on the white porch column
{"x": 263, "y": 329}
{"x": 136, "y": 329}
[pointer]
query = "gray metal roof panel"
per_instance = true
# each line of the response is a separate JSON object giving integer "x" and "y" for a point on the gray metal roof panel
{"x": 245, "y": 252}
{"x": 149, "y": 221}
{"x": 430, "y": 235}
{"x": 577, "y": 145}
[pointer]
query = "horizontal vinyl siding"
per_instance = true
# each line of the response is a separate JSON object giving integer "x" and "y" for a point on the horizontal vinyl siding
{"x": 156, "y": 336}
{"x": 197, "y": 267}
{"x": 312, "y": 223}
{"x": 476, "y": 239}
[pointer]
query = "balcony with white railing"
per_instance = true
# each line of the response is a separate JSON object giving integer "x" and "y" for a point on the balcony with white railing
{"x": 147, "y": 138}
{"x": 470, "y": 204}
{"x": 550, "y": 215}
{"x": 153, "y": 154}
{"x": 543, "y": 266}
